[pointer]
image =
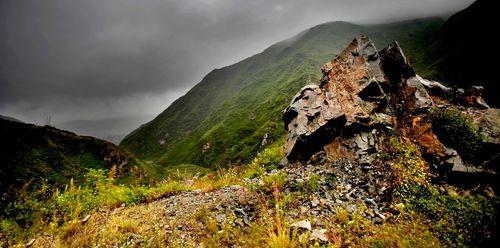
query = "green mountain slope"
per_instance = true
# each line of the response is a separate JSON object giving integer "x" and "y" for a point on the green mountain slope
{"x": 225, "y": 117}
{"x": 31, "y": 154}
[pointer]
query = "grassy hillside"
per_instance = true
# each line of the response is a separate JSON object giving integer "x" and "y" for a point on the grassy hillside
{"x": 32, "y": 155}
{"x": 224, "y": 118}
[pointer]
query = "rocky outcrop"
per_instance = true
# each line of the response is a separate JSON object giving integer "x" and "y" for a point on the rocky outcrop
{"x": 489, "y": 127}
{"x": 364, "y": 96}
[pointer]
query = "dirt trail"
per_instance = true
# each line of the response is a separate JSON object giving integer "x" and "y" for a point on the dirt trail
{"x": 176, "y": 218}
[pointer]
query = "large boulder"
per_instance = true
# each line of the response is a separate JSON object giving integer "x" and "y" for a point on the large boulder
{"x": 360, "y": 90}
{"x": 364, "y": 95}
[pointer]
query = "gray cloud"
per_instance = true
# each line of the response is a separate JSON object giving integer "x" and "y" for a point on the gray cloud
{"x": 97, "y": 59}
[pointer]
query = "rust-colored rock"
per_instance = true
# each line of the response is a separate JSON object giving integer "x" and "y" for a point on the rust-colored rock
{"x": 352, "y": 96}
{"x": 362, "y": 95}
{"x": 348, "y": 95}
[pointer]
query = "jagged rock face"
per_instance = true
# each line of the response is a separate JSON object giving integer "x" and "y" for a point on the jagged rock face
{"x": 353, "y": 95}
{"x": 362, "y": 95}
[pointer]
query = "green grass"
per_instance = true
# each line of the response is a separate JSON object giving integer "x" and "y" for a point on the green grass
{"x": 186, "y": 171}
{"x": 51, "y": 207}
{"x": 424, "y": 215}
{"x": 232, "y": 108}
{"x": 459, "y": 218}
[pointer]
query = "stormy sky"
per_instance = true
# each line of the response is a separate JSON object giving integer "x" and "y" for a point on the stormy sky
{"x": 102, "y": 67}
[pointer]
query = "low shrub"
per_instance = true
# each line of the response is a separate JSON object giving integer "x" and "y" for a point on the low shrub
{"x": 457, "y": 130}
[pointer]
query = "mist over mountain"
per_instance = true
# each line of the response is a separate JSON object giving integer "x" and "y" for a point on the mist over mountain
{"x": 111, "y": 129}
{"x": 226, "y": 117}
{"x": 113, "y": 58}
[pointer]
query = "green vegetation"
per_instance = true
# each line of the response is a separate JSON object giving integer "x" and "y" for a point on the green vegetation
{"x": 57, "y": 211}
{"x": 457, "y": 130}
{"x": 213, "y": 137}
{"x": 34, "y": 211}
{"x": 458, "y": 219}
{"x": 30, "y": 153}
{"x": 273, "y": 228}
{"x": 313, "y": 182}
{"x": 151, "y": 173}
{"x": 266, "y": 160}
{"x": 223, "y": 119}
{"x": 269, "y": 230}
{"x": 54, "y": 209}
{"x": 426, "y": 215}
{"x": 405, "y": 162}
{"x": 357, "y": 231}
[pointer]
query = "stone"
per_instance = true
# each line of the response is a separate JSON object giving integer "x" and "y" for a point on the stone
{"x": 466, "y": 169}
{"x": 84, "y": 220}
{"x": 453, "y": 160}
{"x": 473, "y": 97}
{"x": 370, "y": 201}
{"x": 205, "y": 147}
{"x": 422, "y": 100}
{"x": 30, "y": 243}
{"x": 364, "y": 94}
{"x": 315, "y": 202}
{"x": 351, "y": 208}
{"x": 362, "y": 85}
{"x": 319, "y": 234}
{"x": 489, "y": 126}
{"x": 303, "y": 209}
{"x": 220, "y": 218}
{"x": 306, "y": 224}
{"x": 264, "y": 140}
{"x": 241, "y": 213}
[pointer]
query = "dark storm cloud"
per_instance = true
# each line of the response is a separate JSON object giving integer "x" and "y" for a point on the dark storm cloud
{"x": 56, "y": 56}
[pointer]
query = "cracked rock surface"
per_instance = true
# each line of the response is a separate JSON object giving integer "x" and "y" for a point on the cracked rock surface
{"x": 365, "y": 95}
